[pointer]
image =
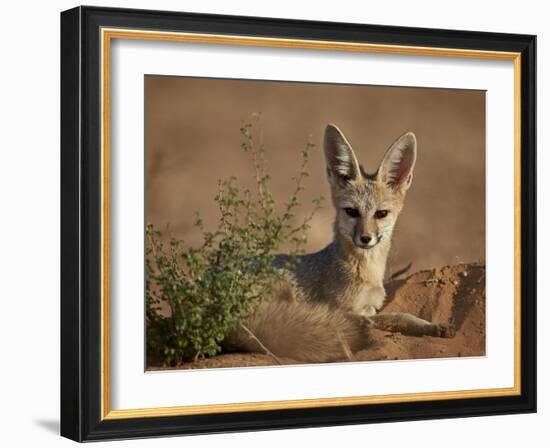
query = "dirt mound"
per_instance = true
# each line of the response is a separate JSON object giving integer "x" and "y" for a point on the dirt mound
{"x": 454, "y": 294}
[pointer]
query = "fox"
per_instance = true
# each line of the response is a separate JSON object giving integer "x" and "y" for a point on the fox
{"x": 328, "y": 301}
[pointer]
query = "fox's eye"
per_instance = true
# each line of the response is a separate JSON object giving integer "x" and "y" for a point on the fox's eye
{"x": 379, "y": 214}
{"x": 353, "y": 212}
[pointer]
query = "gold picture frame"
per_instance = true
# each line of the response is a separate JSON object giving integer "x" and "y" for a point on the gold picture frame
{"x": 119, "y": 25}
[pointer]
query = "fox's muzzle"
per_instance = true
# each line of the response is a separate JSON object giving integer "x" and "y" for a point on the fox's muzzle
{"x": 367, "y": 241}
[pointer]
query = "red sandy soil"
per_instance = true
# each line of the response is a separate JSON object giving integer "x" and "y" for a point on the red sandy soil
{"x": 454, "y": 294}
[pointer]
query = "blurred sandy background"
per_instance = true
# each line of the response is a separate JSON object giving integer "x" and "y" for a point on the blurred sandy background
{"x": 193, "y": 139}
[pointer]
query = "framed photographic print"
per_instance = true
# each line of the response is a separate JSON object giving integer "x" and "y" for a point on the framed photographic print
{"x": 276, "y": 224}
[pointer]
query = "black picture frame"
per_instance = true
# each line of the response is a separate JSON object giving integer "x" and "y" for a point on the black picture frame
{"x": 81, "y": 415}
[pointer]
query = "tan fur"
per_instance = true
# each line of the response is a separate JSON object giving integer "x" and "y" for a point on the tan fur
{"x": 322, "y": 310}
{"x": 302, "y": 331}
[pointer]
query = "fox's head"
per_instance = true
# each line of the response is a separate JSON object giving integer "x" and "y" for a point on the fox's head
{"x": 367, "y": 205}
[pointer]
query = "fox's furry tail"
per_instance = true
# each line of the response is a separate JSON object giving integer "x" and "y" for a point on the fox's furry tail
{"x": 301, "y": 331}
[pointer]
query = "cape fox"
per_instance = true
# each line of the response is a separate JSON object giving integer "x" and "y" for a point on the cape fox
{"x": 327, "y": 303}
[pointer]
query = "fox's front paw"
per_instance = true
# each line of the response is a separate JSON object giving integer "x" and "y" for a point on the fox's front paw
{"x": 368, "y": 311}
{"x": 444, "y": 330}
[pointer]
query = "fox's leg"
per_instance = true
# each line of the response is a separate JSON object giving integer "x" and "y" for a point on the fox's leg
{"x": 410, "y": 325}
{"x": 369, "y": 301}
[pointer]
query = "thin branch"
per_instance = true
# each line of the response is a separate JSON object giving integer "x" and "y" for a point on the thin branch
{"x": 221, "y": 207}
{"x": 345, "y": 347}
{"x": 400, "y": 272}
{"x": 267, "y": 351}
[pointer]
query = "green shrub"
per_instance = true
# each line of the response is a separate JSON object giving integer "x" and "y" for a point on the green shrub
{"x": 213, "y": 288}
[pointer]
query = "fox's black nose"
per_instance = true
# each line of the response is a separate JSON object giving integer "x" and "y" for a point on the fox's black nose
{"x": 365, "y": 239}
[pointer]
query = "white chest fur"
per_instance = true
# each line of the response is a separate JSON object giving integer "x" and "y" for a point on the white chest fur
{"x": 368, "y": 300}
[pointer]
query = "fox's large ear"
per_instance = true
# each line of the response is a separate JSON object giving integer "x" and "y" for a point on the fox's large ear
{"x": 342, "y": 165}
{"x": 396, "y": 170}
